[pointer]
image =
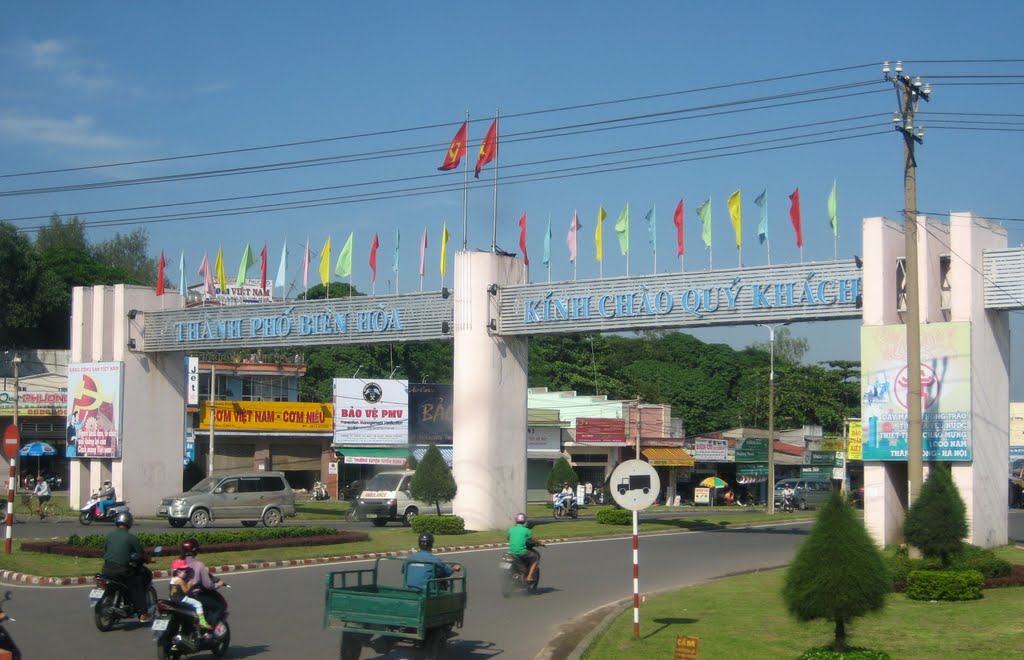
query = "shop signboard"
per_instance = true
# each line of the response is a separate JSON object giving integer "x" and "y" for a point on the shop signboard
{"x": 371, "y": 412}
{"x": 701, "y": 495}
{"x": 268, "y": 416}
{"x": 190, "y": 446}
{"x": 34, "y": 404}
{"x": 832, "y": 444}
{"x": 816, "y": 471}
{"x": 430, "y": 413}
{"x": 752, "y": 470}
{"x": 192, "y": 380}
{"x": 597, "y": 429}
{"x": 830, "y": 458}
{"x": 945, "y": 386}
{"x": 543, "y": 438}
{"x": 711, "y": 450}
{"x": 94, "y": 410}
{"x": 752, "y": 450}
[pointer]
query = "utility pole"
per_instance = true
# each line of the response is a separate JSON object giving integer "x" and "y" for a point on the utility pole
{"x": 213, "y": 415}
{"x": 771, "y": 413}
{"x": 16, "y": 361}
{"x": 909, "y": 91}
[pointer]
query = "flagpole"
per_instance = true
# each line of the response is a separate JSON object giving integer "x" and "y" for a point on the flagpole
{"x": 768, "y": 242}
{"x": 547, "y": 252}
{"x": 374, "y": 286}
{"x": 465, "y": 195}
{"x": 739, "y": 255}
{"x": 711, "y": 258}
{"x": 835, "y": 247}
{"x": 494, "y": 205}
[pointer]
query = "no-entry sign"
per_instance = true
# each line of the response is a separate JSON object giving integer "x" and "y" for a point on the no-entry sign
{"x": 12, "y": 441}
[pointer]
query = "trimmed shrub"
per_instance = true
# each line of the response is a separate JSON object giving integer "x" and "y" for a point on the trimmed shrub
{"x": 439, "y": 525}
{"x": 852, "y": 653}
{"x": 561, "y": 472}
{"x": 983, "y": 560}
{"x": 615, "y": 517}
{"x": 174, "y": 539}
{"x": 937, "y": 520}
{"x": 944, "y": 585}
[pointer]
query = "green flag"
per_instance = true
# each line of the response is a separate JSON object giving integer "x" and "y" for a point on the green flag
{"x": 622, "y": 229}
{"x": 704, "y": 212}
{"x": 832, "y": 217}
{"x": 248, "y": 259}
{"x": 344, "y": 266}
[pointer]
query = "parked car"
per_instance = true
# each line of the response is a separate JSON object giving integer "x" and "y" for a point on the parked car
{"x": 386, "y": 498}
{"x": 808, "y": 492}
{"x": 247, "y": 496}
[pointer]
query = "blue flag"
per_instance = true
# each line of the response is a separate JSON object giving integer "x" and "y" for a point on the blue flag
{"x": 652, "y": 235}
{"x": 762, "y": 227}
{"x": 547, "y": 244}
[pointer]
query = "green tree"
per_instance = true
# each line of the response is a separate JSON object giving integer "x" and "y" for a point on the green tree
{"x": 28, "y": 292}
{"x": 936, "y": 523}
{"x": 787, "y": 347}
{"x": 838, "y": 574}
{"x": 60, "y": 234}
{"x": 433, "y": 481}
{"x": 127, "y": 252}
{"x": 561, "y": 472}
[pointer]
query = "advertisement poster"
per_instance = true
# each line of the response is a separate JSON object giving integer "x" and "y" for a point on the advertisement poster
{"x": 268, "y": 416}
{"x": 945, "y": 392}
{"x": 371, "y": 412}
{"x": 711, "y": 450}
{"x": 854, "y": 445}
{"x": 430, "y": 410}
{"x": 95, "y": 402}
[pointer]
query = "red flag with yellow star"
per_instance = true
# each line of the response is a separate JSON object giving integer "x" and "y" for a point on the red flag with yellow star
{"x": 457, "y": 149}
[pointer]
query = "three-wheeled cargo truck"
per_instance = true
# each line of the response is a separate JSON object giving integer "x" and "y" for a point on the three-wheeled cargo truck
{"x": 373, "y": 606}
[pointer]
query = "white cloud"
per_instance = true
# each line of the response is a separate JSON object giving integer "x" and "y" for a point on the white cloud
{"x": 78, "y": 132}
{"x": 68, "y": 68}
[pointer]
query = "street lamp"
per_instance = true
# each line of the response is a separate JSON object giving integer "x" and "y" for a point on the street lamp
{"x": 771, "y": 413}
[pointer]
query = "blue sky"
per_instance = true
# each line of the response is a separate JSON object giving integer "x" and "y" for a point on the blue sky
{"x": 93, "y": 84}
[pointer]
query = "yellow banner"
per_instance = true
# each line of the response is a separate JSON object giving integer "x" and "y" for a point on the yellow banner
{"x": 854, "y": 446}
{"x": 269, "y": 416}
{"x": 832, "y": 444}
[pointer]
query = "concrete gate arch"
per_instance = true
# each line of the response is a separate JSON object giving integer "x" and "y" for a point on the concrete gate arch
{"x": 491, "y": 312}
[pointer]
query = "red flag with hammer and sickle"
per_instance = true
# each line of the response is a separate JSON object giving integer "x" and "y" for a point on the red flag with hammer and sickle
{"x": 457, "y": 150}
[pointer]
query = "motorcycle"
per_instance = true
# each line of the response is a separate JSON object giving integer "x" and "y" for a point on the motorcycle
{"x": 320, "y": 491}
{"x": 6, "y": 643}
{"x": 514, "y": 571}
{"x": 565, "y": 506}
{"x": 111, "y": 600}
{"x": 787, "y": 504}
{"x": 177, "y": 633}
{"x": 90, "y": 511}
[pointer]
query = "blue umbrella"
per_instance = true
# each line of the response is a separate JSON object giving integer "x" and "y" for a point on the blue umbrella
{"x": 37, "y": 449}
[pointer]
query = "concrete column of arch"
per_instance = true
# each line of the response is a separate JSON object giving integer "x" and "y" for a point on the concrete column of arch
{"x": 490, "y": 379}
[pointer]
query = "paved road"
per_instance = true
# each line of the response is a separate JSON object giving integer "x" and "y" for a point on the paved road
{"x": 277, "y": 614}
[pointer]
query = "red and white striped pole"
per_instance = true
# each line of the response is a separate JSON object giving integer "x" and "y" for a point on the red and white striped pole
{"x": 12, "y": 441}
{"x": 636, "y": 576}
{"x": 10, "y": 509}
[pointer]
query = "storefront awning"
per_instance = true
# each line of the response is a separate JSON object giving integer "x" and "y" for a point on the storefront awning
{"x": 668, "y": 456}
{"x": 373, "y": 455}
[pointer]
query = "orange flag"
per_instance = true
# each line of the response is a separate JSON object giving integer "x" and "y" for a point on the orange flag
{"x": 456, "y": 151}
{"x": 488, "y": 149}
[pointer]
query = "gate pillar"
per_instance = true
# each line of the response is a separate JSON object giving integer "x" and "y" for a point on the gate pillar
{"x": 951, "y": 284}
{"x": 490, "y": 381}
{"x": 152, "y": 396}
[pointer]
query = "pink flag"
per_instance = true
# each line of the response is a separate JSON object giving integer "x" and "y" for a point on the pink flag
{"x": 570, "y": 240}
{"x": 423, "y": 251}
{"x": 305, "y": 266}
{"x": 263, "y": 269}
{"x": 373, "y": 256}
{"x": 522, "y": 240}
{"x": 677, "y": 220}
{"x": 160, "y": 276}
{"x": 207, "y": 275}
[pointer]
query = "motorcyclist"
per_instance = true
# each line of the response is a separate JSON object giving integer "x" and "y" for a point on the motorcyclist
{"x": 787, "y": 495}
{"x": 520, "y": 538}
{"x": 417, "y": 573}
{"x": 122, "y": 557}
{"x": 106, "y": 496}
{"x": 565, "y": 496}
{"x": 204, "y": 585}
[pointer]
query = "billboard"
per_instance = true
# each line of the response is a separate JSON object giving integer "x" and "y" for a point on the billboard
{"x": 95, "y": 405}
{"x": 34, "y": 404}
{"x": 599, "y": 429}
{"x": 945, "y": 392}
{"x": 268, "y": 416}
{"x": 371, "y": 412}
{"x": 430, "y": 413}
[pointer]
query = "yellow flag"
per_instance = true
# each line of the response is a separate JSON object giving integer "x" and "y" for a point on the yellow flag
{"x": 222, "y": 277}
{"x": 325, "y": 262}
{"x": 735, "y": 213}
{"x": 599, "y": 233}
{"x": 444, "y": 250}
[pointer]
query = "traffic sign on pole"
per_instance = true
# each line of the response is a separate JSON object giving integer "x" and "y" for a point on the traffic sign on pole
{"x": 12, "y": 441}
{"x": 635, "y": 485}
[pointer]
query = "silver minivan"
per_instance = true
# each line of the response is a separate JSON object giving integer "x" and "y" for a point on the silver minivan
{"x": 808, "y": 492}
{"x": 247, "y": 496}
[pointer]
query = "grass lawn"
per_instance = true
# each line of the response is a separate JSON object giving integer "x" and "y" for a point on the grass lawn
{"x": 744, "y": 617}
{"x": 383, "y": 539}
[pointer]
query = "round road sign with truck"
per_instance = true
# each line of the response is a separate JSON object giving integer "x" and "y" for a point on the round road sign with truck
{"x": 635, "y": 485}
